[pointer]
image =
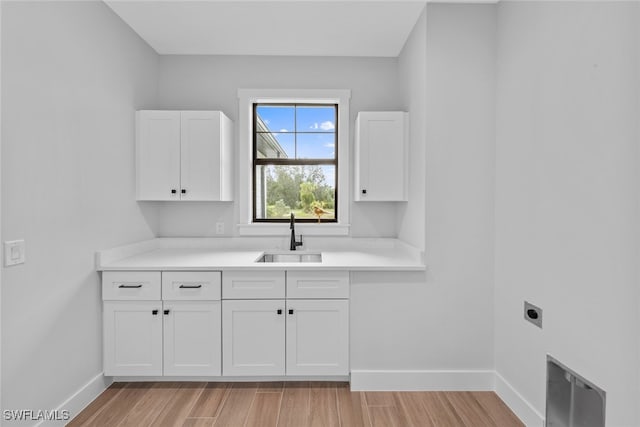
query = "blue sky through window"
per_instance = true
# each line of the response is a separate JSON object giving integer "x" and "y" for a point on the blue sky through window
{"x": 304, "y": 132}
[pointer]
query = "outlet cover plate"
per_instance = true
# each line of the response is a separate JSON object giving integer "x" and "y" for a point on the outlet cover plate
{"x": 219, "y": 227}
{"x": 533, "y": 314}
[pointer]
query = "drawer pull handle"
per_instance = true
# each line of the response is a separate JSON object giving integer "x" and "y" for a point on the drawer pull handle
{"x": 190, "y": 286}
{"x": 123, "y": 286}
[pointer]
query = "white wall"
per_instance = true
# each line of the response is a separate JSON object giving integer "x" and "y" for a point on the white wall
{"x": 2, "y": 266}
{"x": 412, "y": 74}
{"x": 403, "y": 321}
{"x": 567, "y": 193}
{"x": 440, "y": 321}
{"x": 459, "y": 170}
{"x": 212, "y": 82}
{"x": 72, "y": 76}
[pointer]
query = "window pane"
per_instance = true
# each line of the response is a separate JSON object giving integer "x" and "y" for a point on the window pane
{"x": 275, "y": 118}
{"x": 316, "y": 146}
{"x": 307, "y": 191}
{"x": 275, "y": 145}
{"x": 316, "y": 119}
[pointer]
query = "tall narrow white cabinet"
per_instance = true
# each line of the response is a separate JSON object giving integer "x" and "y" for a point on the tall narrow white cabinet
{"x": 382, "y": 156}
{"x": 183, "y": 155}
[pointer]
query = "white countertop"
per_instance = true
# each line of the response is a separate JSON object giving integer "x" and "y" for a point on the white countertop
{"x": 200, "y": 254}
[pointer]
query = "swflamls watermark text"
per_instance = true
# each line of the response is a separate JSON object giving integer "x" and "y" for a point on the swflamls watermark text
{"x": 35, "y": 415}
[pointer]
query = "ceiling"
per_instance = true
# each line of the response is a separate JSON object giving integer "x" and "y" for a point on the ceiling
{"x": 266, "y": 27}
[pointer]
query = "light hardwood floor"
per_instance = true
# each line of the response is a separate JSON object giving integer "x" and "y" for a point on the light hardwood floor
{"x": 294, "y": 404}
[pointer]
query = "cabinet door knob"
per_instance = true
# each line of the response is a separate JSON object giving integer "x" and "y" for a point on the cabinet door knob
{"x": 166, "y": 312}
{"x": 183, "y": 191}
{"x": 291, "y": 311}
{"x": 154, "y": 312}
{"x": 364, "y": 191}
{"x": 174, "y": 191}
{"x": 279, "y": 311}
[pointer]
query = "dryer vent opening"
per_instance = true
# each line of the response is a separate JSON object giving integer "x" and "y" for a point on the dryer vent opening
{"x": 572, "y": 401}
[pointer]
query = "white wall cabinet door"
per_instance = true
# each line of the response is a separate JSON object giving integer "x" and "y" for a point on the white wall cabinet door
{"x": 157, "y": 155}
{"x": 253, "y": 338}
{"x": 184, "y": 155}
{"x": 192, "y": 338}
{"x": 132, "y": 338}
{"x": 317, "y": 337}
{"x": 381, "y": 156}
{"x": 204, "y": 159}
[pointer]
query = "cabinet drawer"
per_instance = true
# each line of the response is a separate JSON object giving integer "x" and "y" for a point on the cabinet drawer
{"x": 131, "y": 285}
{"x": 186, "y": 285}
{"x": 318, "y": 284}
{"x": 253, "y": 284}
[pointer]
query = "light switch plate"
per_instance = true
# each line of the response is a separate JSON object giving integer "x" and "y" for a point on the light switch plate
{"x": 13, "y": 252}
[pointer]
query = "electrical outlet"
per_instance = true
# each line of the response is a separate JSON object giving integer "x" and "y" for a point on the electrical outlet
{"x": 219, "y": 227}
{"x": 533, "y": 314}
{"x": 14, "y": 252}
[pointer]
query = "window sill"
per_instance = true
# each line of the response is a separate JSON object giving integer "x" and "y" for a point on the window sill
{"x": 306, "y": 229}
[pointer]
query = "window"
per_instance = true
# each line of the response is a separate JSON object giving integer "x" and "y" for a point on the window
{"x": 336, "y": 99}
{"x": 295, "y": 162}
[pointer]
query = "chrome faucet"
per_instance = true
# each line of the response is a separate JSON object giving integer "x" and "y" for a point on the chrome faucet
{"x": 292, "y": 226}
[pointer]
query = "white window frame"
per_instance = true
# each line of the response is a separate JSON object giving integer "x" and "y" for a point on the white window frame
{"x": 248, "y": 97}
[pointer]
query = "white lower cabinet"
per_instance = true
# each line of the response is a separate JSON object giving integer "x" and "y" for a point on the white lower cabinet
{"x": 192, "y": 338}
{"x": 318, "y": 337}
{"x": 162, "y": 337}
{"x": 132, "y": 338}
{"x": 275, "y": 324}
{"x": 296, "y": 337}
{"x": 253, "y": 337}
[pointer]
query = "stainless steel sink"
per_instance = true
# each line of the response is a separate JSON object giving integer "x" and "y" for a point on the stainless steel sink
{"x": 291, "y": 257}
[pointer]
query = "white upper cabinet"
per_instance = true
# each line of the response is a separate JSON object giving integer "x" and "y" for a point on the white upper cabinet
{"x": 381, "y": 156}
{"x": 184, "y": 155}
{"x": 158, "y": 155}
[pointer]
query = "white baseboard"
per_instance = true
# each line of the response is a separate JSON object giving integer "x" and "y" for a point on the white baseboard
{"x": 80, "y": 399}
{"x": 365, "y": 380}
{"x": 518, "y": 404}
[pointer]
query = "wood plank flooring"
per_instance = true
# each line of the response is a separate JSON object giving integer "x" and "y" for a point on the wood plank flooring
{"x": 291, "y": 404}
